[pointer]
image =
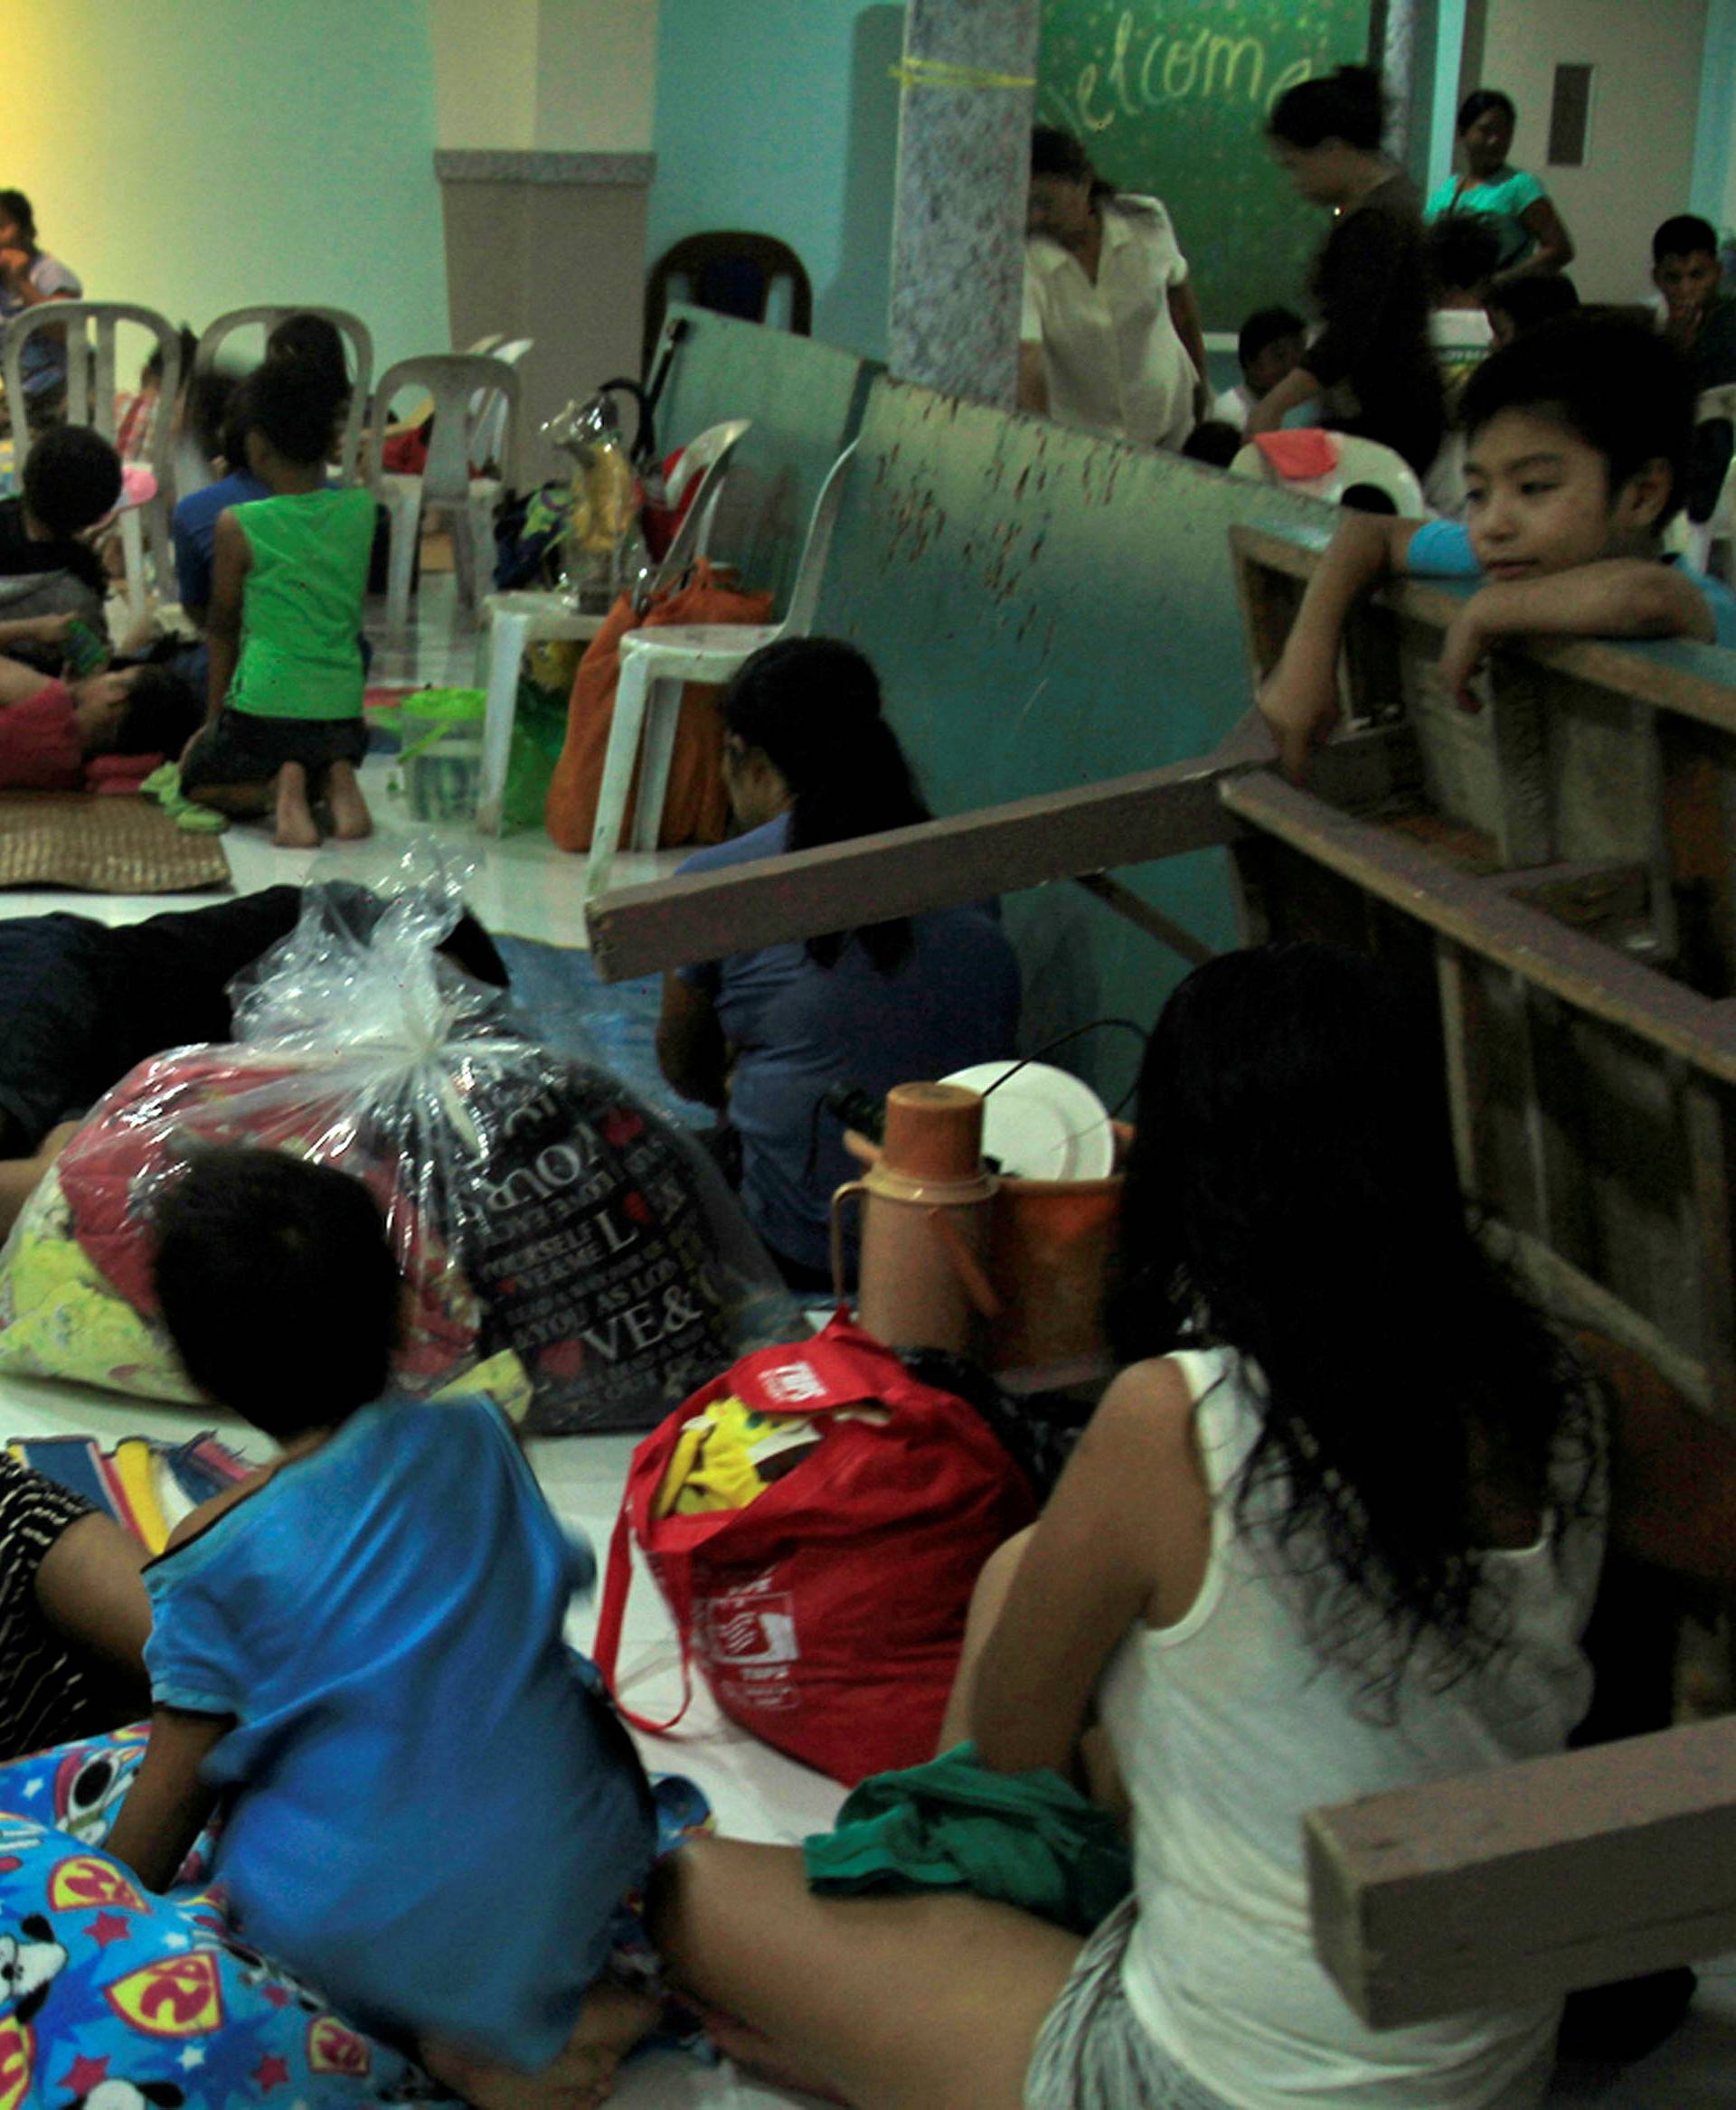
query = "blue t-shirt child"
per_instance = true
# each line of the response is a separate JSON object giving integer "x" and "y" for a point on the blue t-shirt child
{"x": 1441, "y": 549}
{"x": 193, "y": 526}
{"x": 434, "y": 1813}
{"x": 799, "y": 1028}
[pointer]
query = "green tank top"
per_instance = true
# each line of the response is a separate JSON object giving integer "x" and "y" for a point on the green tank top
{"x": 301, "y": 613}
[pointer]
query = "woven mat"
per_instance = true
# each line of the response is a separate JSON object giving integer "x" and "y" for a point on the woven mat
{"x": 105, "y": 843}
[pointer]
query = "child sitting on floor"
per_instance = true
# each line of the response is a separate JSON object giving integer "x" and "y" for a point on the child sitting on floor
{"x": 1463, "y": 251}
{"x": 289, "y": 576}
{"x": 1521, "y": 303}
{"x": 52, "y": 731}
{"x": 72, "y": 480}
{"x": 1270, "y": 346}
{"x": 433, "y": 1814}
{"x": 1578, "y": 433}
{"x": 1699, "y": 315}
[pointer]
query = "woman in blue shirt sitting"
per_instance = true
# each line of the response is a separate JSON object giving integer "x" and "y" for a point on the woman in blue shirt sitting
{"x": 808, "y": 759}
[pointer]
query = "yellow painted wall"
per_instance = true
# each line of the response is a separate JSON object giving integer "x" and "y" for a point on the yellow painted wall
{"x": 202, "y": 154}
{"x": 565, "y": 76}
{"x": 484, "y": 72}
{"x": 597, "y": 76}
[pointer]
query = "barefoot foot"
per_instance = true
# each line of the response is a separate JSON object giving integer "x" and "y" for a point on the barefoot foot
{"x": 295, "y": 829}
{"x": 351, "y": 819}
{"x": 580, "y": 2077}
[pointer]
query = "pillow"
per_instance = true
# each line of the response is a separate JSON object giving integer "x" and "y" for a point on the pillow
{"x": 112, "y": 1998}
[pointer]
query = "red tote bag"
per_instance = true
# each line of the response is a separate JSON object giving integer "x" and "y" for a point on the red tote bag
{"x": 827, "y": 1616}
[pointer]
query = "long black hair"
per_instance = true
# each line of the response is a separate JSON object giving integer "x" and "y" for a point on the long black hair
{"x": 1291, "y": 1193}
{"x": 812, "y": 707}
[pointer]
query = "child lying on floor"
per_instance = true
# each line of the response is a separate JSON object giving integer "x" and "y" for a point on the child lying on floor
{"x": 432, "y": 1814}
{"x": 50, "y": 732}
{"x": 1578, "y": 436}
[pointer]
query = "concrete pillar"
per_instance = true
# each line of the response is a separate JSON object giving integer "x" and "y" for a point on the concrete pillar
{"x": 1400, "y": 30}
{"x": 969, "y": 82}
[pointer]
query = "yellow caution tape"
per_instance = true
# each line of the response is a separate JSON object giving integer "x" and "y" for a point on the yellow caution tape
{"x": 942, "y": 73}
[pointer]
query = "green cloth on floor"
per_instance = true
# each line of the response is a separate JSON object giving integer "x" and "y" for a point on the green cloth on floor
{"x": 164, "y": 786}
{"x": 1028, "y": 1839}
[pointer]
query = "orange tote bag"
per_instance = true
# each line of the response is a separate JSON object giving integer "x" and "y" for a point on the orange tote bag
{"x": 697, "y": 808}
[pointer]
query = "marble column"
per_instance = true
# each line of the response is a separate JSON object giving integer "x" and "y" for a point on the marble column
{"x": 1399, "y": 24}
{"x": 968, "y": 78}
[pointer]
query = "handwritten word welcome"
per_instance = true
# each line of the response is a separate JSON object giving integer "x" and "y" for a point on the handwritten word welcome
{"x": 1167, "y": 69}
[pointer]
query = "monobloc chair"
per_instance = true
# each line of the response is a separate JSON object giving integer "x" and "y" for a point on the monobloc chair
{"x": 90, "y": 327}
{"x": 1704, "y": 530}
{"x": 647, "y": 697}
{"x": 462, "y": 386}
{"x": 488, "y": 439}
{"x": 358, "y": 343}
{"x": 730, "y": 272}
{"x": 1362, "y": 465}
{"x": 488, "y": 408}
{"x": 515, "y": 620}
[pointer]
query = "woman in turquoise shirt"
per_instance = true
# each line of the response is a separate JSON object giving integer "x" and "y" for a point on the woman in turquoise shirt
{"x": 1532, "y": 239}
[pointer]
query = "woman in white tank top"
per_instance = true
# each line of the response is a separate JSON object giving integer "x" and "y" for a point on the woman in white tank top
{"x": 1335, "y": 1529}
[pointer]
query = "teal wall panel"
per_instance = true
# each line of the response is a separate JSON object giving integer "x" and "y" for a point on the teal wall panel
{"x": 805, "y": 400}
{"x": 1046, "y": 611}
{"x": 781, "y": 116}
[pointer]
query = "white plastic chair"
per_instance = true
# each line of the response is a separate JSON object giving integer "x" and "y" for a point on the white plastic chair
{"x": 1361, "y": 462}
{"x": 1710, "y": 544}
{"x": 517, "y": 620}
{"x": 488, "y": 437}
{"x": 654, "y": 664}
{"x": 357, "y": 338}
{"x": 90, "y": 327}
{"x": 461, "y": 385}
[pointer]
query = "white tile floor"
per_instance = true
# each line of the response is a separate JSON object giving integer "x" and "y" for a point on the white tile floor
{"x": 524, "y": 887}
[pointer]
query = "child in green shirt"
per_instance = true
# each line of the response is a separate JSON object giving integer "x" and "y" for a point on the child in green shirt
{"x": 288, "y": 578}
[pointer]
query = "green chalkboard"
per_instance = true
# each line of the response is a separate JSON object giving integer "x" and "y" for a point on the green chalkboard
{"x": 1171, "y": 96}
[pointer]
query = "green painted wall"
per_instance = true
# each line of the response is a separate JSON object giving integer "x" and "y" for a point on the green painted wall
{"x": 1048, "y": 609}
{"x": 1171, "y": 97}
{"x": 202, "y": 154}
{"x": 781, "y": 117}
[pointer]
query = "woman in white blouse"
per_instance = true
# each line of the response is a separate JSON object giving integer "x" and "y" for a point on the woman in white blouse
{"x": 1110, "y": 337}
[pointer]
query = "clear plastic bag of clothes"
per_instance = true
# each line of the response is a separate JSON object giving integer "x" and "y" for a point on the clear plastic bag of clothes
{"x": 539, "y": 1209}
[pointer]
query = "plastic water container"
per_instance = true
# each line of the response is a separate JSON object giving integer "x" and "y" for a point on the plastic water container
{"x": 439, "y": 757}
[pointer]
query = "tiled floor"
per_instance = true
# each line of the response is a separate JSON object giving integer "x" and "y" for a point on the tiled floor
{"x": 523, "y": 886}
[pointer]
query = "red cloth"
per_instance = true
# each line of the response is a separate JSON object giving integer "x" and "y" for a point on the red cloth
{"x": 119, "y": 774}
{"x": 41, "y": 747}
{"x": 1301, "y": 454}
{"x": 405, "y": 453}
